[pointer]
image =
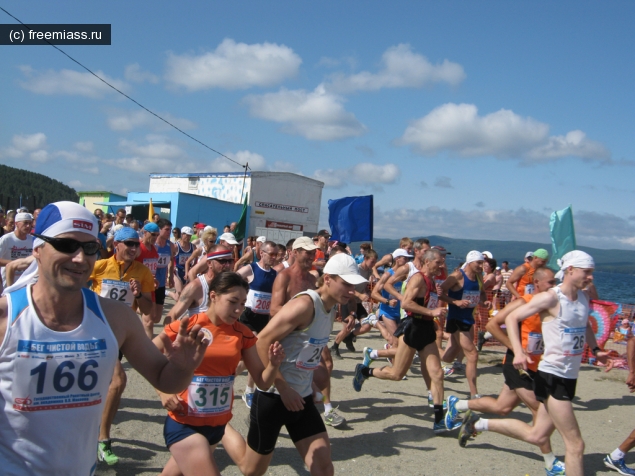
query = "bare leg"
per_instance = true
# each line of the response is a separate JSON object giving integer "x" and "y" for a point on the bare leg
{"x": 403, "y": 361}
{"x": 467, "y": 343}
{"x": 117, "y": 386}
{"x": 248, "y": 461}
{"x": 194, "y": 456}
{"x": 503, "y": 405}
{"x": 316, "y": 453}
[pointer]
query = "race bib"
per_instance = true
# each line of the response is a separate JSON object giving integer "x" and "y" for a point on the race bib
{"x": 259, "y": 302}
{"x": 164, "y": 260}
{"x": 57, "y": 375}
{"x": 473, "y": 297}
{"x": 573, "y": 340}
{"x": 535, "y": 344}
{"x": 529, "y": 289}
{"x": 309, "y": 356}
{"x": 207, "y": 396}
{"x": 183, "y": 259}
{"x": 117, "y": 290}
{"x": 151, "y": 264}
{"x": 433, "y": 302}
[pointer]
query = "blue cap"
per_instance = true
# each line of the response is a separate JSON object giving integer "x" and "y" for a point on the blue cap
{"x": 151, "y": 227}
{"x": 126, "y": 233}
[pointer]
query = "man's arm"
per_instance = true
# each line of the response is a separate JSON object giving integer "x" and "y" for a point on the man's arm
{"x": 416, "y": 286}
{"x": 376, "y": 294}
{"x": 189, "y": 296}
{"x": 246, "y": 259}
{"x": 400, "y": 274}
{"x": 279, "y": 292}
{"x": 191, "y": 260}
{"x": 382, "y": 262}
{"x": 512, "y": 282}
{"x": 494, "y": 324}
{"x": 198, "y": 268}
{"x": 630, "y": 357}
{"x": 246, "y": 273}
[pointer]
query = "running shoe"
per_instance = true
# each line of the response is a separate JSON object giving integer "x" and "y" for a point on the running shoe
{"x": 458, "y": 366}
{"x": 335, "y": 352}
{"x": 367, "y": 358}
{"x": 333, "y": 418}
{"x": 442, "y": 428}
{"x": 248, "y": 397}
{"x": 389, "y": 359}
{"x": 371, "y": 320}
{"x": 104, "y": 452}
{"x": 358, "y": 378}
{"x": 452, "y": 412}
{"x": 447, "y": 371}
{"x": 618, "y": 465}
{"x": 467, "y": 430}
{"x": 558, "y": 469}
{"x": 480, "y": 341}
{"x": 348, "y": 341}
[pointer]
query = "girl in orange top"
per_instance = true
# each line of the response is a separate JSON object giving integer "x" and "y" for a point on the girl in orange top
{"x": 197, "y": 416}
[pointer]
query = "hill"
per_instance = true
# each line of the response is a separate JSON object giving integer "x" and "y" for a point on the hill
{"x": 611, "y": 261}
{"x": 36, "y": 189}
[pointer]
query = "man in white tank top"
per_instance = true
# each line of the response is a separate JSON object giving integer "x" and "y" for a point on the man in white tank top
{"x": 564, "y": 312}
{"x": 72, "y": 337}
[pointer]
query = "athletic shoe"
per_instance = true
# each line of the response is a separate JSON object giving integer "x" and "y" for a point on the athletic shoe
{"x": 452, "y": 412}
{"x": 104, "y": 452}
{"x": 335, "y": 352}
{"x": 442, "y": 428}
{"x": 371, "y": 320}
{"x": 618, "y": 465}
{"x": 447, "y": 371}
{"x": 367, "y": 358}
{"x": 248, "y": 397}
{"x": 458, "y": 366}
{"x": 348, "y": 341}
{"x": 389, "y": 359}
{"x": 358, "y": 378}
{"x": 333, "y": 418}
{"x": 467, "y": 430}
{"x": 558, "y": 469}
{"x": 480, "y": 341}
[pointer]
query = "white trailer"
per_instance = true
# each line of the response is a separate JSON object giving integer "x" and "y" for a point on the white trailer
{"x": 282, "y": 205}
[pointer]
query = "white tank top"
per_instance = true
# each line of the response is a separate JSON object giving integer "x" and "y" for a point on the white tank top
{"x": 412, "y": 270}
{"x": 204, "y": 305}
{"x": 53, "y": 388}
{"x": 564, "y": 337}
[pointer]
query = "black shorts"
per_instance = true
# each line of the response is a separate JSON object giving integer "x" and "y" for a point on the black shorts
{"x": 159, "y": 295}
{"x": 173, "y": 432}
{"x": 549, "y": 385}
{"x": 453, "y": 325}
{"x": 359, "y": 310}
{"x": 268, "y": 415}
{"x": 417, "y": 333}
{"x": 256, "y": 322}
{"x": 513, "y": 378}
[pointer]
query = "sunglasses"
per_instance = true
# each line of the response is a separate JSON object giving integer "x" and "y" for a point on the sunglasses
{"x": 69, "y": 245}
{"x": 225, "y": 261}
{"x": 131, "y": 243}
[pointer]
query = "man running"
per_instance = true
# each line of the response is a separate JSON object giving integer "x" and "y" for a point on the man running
{"x": 184, "y": 250}
{"x": 149, "y": 256}
{"x": 564, "y": 312}
{"x": 165, "y": 267}
{"x": 17, "y": 244}
{"x": 38, "y": 325}
{"x": 387, "y": 260}
{"x": 521, "y": 280}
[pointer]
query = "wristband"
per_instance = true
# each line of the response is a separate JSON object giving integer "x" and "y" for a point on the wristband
{"x": 596, "y": 350}
{"x": 139, "y": 296}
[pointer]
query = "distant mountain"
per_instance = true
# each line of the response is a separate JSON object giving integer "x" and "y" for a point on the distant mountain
{"x": 611, "y": 261}
{"x": 36, "y": 189}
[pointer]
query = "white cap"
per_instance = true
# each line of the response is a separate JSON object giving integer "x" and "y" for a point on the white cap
{"x": 400, "y": 252}
{"x": 488, "y": 254}
{"x": 529, "y": 254}
{"x": 474, "y": 256}
{"x": 23, "y": 216}
{"x": 187, "y": 231}
{"x": 305, "y": 243}
{"x": 261, "y": 239}
{"x": 228, "y": 238}
{"x": 345, "y": 267}
{"x": 64, "y": 217}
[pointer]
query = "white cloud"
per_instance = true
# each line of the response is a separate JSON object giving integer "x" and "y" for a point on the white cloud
{"x": 255, "y": 161}
{"x": 157, "y": 155}
{"x": 39, "y": 156}
{"x": 129, "y": 120}
{"x": 84, "y": 146}
{"x": 402, "y": 68}
{"x": 134, "y": 73}
{"x": 459, "y": 129}
{"x": 332, "y": 178}
{"x": 316, "y": 115}
{"x": 65, "y": 81}
{"x": 360, "y": 174}
{"x": 233, "y": 66}
{"x": 443, "y": 182}
{"x": 283, "y": 166}
{"x": 157, "y": 148}
{"x": 32, "y": 144}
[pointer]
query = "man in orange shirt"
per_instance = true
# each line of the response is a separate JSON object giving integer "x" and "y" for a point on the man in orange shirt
{"x": 521, "y": 280}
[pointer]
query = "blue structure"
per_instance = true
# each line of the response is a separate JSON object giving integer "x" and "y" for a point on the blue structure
{"x": 185, "y": 208}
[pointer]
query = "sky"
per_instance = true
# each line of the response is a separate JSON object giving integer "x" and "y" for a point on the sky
{"x": 463, "y": 119}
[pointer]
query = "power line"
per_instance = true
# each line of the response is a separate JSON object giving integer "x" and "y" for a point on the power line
{"x": 246, "y": 166}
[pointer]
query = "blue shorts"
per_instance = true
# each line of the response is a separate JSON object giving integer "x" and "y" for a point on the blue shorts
{"x": 173, "y": 432}
{"x": 386, "y": 316}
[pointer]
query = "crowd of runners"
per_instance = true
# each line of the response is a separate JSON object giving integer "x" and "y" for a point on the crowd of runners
{"x": 83, "y": 290}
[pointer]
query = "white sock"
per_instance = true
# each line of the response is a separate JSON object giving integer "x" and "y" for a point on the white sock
{"x": 327, "y": 408}
{"x": 488, "y": 335}
{"x": 249, "y": 389}
{"x": 374, "y": 355}
{"x": 550, "y": 458}
{"x": 461, "y": 405}
{"x": 617, "y": 454}
{"x": 481, "y": 425}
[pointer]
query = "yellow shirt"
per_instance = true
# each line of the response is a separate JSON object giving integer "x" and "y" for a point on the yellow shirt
{"x": 109, "y": 272}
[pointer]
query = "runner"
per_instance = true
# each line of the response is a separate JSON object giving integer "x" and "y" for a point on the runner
{"x": 506, "y": 296}
{"x": 54, "y": 312}
{"x": 321, "y": 254}
{"x": 165, "y": 267}
{"x": 184, "y": 250}
{"x": 517, "y": 387}
{"x": 149, "y": 256}
{"x": 196, "y": 264}
{"x": 416, "y": 334}
{"x": 489, "y": 283}
{"x": 387, "y": 260}
{"x": 289, "y": 258}
{"x": 564, "y": 313}
{"x": 16, "y": 244}
{"x": 195, "y": 296}
{"x": 463, "y": 292}
{"x": 260, "y": 277}
{"x": 303, "y": 327}
{"x": 520, "y": 280}
{"x": 198, "y": 415}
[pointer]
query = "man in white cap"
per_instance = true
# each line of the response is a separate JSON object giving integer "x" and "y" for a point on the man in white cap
{"x": 59, "y": 348}
{"x": 18, "y": 244}
{"x": 251, "y": 255}
{"x": 564, "y": 312}
{"x": 463, "y": 291}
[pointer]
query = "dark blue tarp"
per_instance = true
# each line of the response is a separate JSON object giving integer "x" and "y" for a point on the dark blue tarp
{"x": 351, "y": 219}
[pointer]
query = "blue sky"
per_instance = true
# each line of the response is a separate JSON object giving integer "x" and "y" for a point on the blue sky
{"x": 464, "y": 119}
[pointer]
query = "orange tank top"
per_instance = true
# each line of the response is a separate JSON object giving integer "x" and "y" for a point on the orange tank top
{"x": 531, "y": 337}
{"x": 527, "y": 278}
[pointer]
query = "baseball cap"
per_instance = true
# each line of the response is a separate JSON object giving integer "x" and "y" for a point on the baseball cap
{"x": 400, "y": 252}
{"x": 441, "y": 250}
{"x": 126, "y": 233}
{"x": 261, "y": 239}
{"x": 324, "y": 233}
{"x": 186, "y": 230}
{"x": 64, "y": 217}
{"x": 227, "y": 237}
{"x": 200, "y": 226}
{"x": 488, "y": 254}
{"x": 529, "y": 254}
{"x": 345, "y": 267}
{"x": 474, "y": 256}
{"x": 23, "y": 216}
{"x": 151, "y": 227}
{"x": 541, "y": 253}
{"x": 305, "y": 243}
